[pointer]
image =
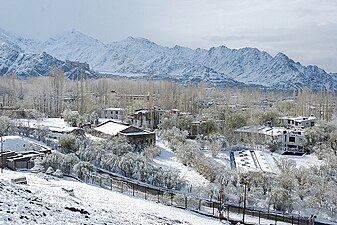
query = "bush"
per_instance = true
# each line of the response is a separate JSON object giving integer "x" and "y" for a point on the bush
{"x": 50, "y": 171}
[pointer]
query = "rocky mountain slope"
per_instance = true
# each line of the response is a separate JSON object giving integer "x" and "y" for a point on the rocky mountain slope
{"x": 218, "y": 66}
{"x": 14, "y": 60}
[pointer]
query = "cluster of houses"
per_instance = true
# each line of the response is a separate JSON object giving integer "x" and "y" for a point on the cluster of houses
{"x": 138, "y": 130}
{"x": 290, "y": 134}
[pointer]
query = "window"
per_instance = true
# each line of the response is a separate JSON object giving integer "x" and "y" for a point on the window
{"x": 291, "y": 139}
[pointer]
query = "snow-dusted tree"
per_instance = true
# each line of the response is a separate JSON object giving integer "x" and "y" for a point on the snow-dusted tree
{"x": 273, "y": 143}
{"x": 186, "y": 153}
{"x": 58, "y": 173}
{"x": 184, "y": 122}
{"x": 50, "y": 171}
{"x": 41, "y": 133}
{"x": 261, "y": 180}
{"x": 215, "y": 143}
{"x": 303, "y": 182}
{"x": 33, "y": 114}
{"x": 69, "y": 116}
{"x": 281, "y": 199}
{"x": 68, "y": 143}
{"x": 267, "y": 116}
{"x": 174, "y": 136}
{"x": 38, "y": 167}
{"x": 205, "y": 167}
{"x": 168, "y": 122}
{"x": 127, "y": 164}
{"x": 6, "y": 126}
{"x": 60, "y": 161}
{"x": 83, "y": 168}
{"x": 150, "y": 152}
{"x": 208, "y": 126}
{"x": 94, "y": 117}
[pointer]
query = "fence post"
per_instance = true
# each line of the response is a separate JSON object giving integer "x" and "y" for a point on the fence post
{"x": 292, "y": 220}
{"x": 275, "y": 218}
{"x": 122, "y": 186}
{"x": 213, "y": 207}
{"x": 145, "y": 192}
{"x": 133, "y": 189}
{"x": 185, "y": 202}
{"x": 158, "y": 196}
{"x": 111, "y": 183}
{"x": 268, "y": 214}
{"x": 227, "y": 212}
{"x": 171, "y": 198}
{"x": 259, "y": 217}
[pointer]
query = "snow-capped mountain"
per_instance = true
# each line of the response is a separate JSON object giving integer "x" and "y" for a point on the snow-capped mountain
{"x": 219, "y": 66}
{"x": 13, "y": 60}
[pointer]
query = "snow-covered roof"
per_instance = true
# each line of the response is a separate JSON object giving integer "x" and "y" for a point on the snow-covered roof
{"x": 46, "y": 122}
{"x": 271, "y": 131}
{"x": 19, "y": 144}
{"x": 248, "y": 160}
{"x": 298, "y": 118}
{"x": 113, "y": 109}
{"x": 53, "y": 124}
{"x": 111, "y": 128}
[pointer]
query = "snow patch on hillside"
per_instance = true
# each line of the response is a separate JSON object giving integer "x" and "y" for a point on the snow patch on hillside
{"x": 43, "y": 201}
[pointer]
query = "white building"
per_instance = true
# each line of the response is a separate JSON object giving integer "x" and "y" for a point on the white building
{"x": 290, "y": 139}
{"x": 299, "y": 122}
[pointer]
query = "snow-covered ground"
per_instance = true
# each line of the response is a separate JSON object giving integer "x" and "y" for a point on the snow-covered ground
{"x": 168, "y": 160}
{"x": 304, "y": 161}
{"x": 223, "y": 158}
{"x": 42, "y": 201}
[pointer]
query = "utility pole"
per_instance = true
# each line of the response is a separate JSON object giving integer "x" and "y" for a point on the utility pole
{"x": 2, "y": 154}
{"x": 245, "y": 182}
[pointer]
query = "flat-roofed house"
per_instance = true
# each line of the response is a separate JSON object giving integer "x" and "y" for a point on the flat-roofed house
{"x": 299, "y": 121}
{"x": 290, "y": 139}
{"x": 113, "y": 113}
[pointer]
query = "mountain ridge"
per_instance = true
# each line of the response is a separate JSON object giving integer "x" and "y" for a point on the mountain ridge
{"x": 14, "y": 60}
{"x": 218, "y": 66}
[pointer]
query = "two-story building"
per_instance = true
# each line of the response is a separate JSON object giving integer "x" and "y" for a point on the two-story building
{"x": 298, "y": 122}
{"x": 113, "y": 113}
{"x": 291, "y": 140}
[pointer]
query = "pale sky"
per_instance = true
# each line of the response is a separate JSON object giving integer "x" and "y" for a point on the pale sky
{"x": 305, "y": 30}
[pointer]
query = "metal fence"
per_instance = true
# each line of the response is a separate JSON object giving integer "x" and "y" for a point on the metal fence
{"x": 208, "y": 207}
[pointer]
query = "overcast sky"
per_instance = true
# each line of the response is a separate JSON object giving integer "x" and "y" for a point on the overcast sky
{"x": 305, "y": 30}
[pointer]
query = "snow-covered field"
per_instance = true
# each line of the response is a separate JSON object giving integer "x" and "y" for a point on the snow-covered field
{"x": 305, "y": 161}
{"x": 168, "y": 160}
{"x": 42, "y": 201}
